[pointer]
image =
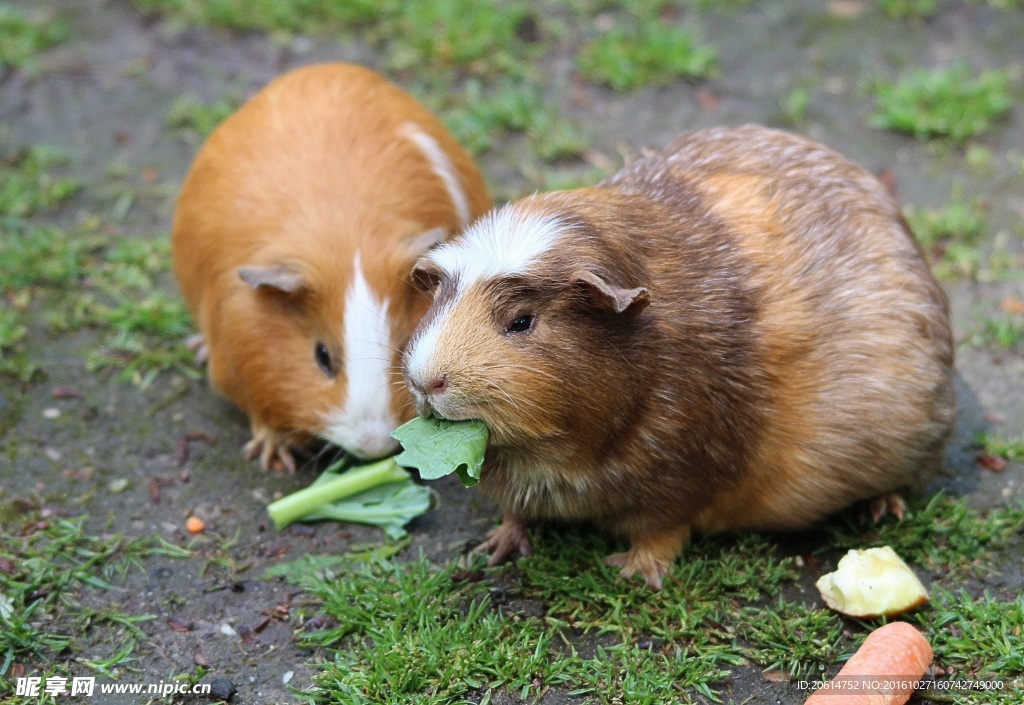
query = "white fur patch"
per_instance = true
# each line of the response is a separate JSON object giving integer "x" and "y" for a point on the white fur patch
{"x": 502, "y": 243}
{"x": 442, "y": 166}
{"x": 421, "y": 349}
{"x": 365, "y": 423}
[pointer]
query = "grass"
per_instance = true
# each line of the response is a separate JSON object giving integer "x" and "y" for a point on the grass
{"x": 909, "y": 9}
{"x": 978, "y": 635}
{"x": 293, "y": 16}
{"x": 943, "y": 535}
{"x": 483, "y": 118}
{"x": 45, "y": 567}
{"x": 647, "y": 53}
{"x": 196, "y": 119}
{"x": 955, "y": 102}
{"x": 477, "y": 37}
{"x": 29, "y": 184}
{"x": 798, "y": 640}
{"x": 1003, "y": 331}
{"x": 951, "y": 235}
{"x": 562, "y": 620}
{"x": 23, "y": 37}
{"x": 1009, "y": 449}
{"x": 82, "y": 277}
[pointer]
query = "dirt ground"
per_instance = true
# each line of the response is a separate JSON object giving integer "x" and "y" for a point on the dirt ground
{"x": 104, "y": 96}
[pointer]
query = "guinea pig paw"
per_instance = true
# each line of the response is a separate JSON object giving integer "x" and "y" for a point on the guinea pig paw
{"x": 891, "y": 504}
{"x": 651, "y": 567}
{"x": 197, "y": 344}
{"x": 272, "y": 454}
{"x": 505, "y": 542}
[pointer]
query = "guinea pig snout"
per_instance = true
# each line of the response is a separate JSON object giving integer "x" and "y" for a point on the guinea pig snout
{"x": 435, "y": 386}
{"x": 429, "y": 392}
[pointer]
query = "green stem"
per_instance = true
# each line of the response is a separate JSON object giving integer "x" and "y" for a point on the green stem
{"x": 297, "y": 505}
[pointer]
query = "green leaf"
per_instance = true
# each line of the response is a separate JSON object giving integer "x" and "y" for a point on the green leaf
{"x": 389, "y": 506}
{"x": 437, "y": 447}
{"x": 333, "y": 487}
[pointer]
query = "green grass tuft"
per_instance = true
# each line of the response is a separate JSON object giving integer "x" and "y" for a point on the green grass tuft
{"x": 1003, "y": 331}
{"x": 799, "y": 640}
{"x": 951, "y": 235}
{"x": 480, "y": 37}
{"x": 942, "y": 534}
{"x": 909, "y": 9}
{"x": 288, "y": 16}
{"x": 979, "y": 636}
{"x": 482, "y": 118}
{"x": 28, "y": 185}
{"x": 198, "y": 119}
{"x": 954, "y": 103}
{"x": 1009, "y": 449}
{"x": 47, "y": 566}
{"x": 22, "y": 38}
{"x": 651, "y": 53}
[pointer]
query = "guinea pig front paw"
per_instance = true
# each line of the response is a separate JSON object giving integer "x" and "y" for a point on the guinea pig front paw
{"x": 197, "y": 344}
{"x": 272, "y": 450}
{"x": 506, "y": 541}
{"x": 650, "y": 555}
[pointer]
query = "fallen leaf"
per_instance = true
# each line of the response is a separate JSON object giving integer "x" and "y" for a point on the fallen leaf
{"x": 993, "y": 463}
{"x": 181, "y": 625}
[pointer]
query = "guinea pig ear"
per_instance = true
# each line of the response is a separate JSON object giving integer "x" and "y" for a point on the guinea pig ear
{"x": 609, "y": 297}
{"x": 285, "y": 280}
{"x": 421, "y": 244}
{"x": 426, "y": 275}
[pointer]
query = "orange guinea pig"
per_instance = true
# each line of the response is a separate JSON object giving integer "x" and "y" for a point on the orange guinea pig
{"x": 293, "y": 239}
{"x": 737, "y": 332}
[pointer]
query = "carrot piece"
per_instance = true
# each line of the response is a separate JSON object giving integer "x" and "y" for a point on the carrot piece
{"x": 884, "y": 671}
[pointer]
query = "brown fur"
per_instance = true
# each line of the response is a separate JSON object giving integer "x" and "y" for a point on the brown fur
{"x": 794, "y": 357}
{"x": 309, "y": 171}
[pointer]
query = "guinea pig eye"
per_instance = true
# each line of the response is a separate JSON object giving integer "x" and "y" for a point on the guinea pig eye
{"x": 522, "y": 324}
{"x": 323, "y": 359}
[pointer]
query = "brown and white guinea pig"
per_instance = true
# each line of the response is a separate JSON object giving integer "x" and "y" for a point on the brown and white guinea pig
{"x": 738, "y": 332}
{"x": 293, "y": 239}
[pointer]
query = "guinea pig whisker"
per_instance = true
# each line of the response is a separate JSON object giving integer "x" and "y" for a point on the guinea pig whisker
{"x": 494, "y": 385}
{"x": 509, "y": 366}
{"x": 392, "y": 348}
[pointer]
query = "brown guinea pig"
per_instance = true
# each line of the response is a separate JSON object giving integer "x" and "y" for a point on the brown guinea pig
{"x": 738, "y": 332}
{"x": 293, "y": 239}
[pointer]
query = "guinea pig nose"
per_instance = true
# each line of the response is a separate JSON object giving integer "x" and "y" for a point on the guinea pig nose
{"x": 437, "y": 385}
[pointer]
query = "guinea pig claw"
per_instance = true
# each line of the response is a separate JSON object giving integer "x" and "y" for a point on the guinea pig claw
{"x": 197, "y": 344}
{"x": 891, "y": 504}
{"x": 273, "y": 456}
{"x": 652, "y": 569}
{"x": 506, "y": 541}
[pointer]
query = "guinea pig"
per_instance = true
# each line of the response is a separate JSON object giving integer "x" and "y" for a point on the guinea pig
{"x": 293, "y": 239}
{"x": 738, "y": 332}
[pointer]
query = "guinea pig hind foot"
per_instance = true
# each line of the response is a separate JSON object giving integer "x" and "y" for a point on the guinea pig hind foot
{"x": 651, "y": 555}
{"x": 506, "y": 541}
{"x": 274, "y": 453}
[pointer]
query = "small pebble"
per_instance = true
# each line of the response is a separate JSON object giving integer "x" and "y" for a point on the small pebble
{"x": 227, "y": 630}
{"x": 222, "y": 689}
{"x": 195, "y": 525}
{"x": 287, "y": 677}
{"x": 51, "y": 413}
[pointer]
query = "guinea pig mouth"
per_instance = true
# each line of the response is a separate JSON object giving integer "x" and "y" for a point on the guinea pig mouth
{"x": 442, "y": 409}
